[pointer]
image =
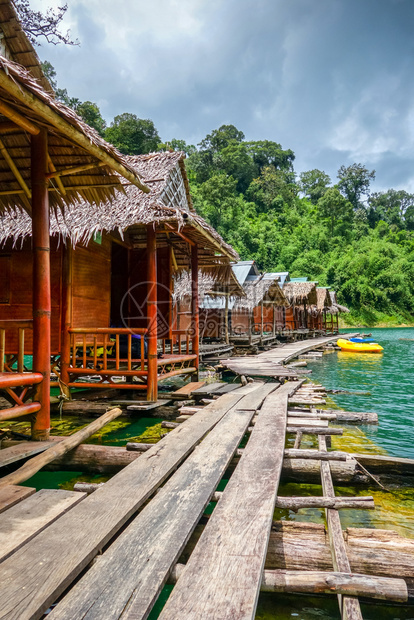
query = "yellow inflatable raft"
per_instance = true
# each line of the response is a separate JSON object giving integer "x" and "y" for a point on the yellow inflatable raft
{"x": 359, "y": 347}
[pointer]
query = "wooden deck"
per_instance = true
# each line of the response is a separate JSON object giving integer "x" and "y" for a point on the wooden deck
{"x": 272, "y": 363}
{"x": 49, "y": 552}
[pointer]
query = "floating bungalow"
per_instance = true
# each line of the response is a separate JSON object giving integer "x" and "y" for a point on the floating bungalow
{"x": 90, "y": 242}
{"x": 302, "y": 296}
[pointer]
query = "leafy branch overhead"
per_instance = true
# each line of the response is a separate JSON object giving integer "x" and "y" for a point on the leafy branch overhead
{"x": 37, "y": 24}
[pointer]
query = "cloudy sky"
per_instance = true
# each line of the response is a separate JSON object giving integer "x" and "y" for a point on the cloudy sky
{"x": 331, "y": 79}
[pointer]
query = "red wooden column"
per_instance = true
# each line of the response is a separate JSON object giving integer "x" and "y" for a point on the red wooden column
{"x": 41, "y": 282}
{"x": 66, "y": 315}
{"x": 152, "y": 390}
{"x": 195, "y": 316}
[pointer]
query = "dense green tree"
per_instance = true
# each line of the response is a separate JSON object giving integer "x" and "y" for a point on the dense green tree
{"x": 266, "y": 153}
{"x": 91, "y": 114}
{"x": 133, "y": 135}
{"x": 334, "y": 208}
{"x": 313, "y": 184}
{"x": 394, "y": 207}
{"x": 219, "y": 138}
{"x": 272, "y": 189}
{"x": 354, "y": 182}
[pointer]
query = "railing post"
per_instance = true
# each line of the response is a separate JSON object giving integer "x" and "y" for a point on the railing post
{"x": 152, "y": 389}
{"x": 195, "y": 317}
{"x": 41, "y": 282}
{"x": 66, "y": 317}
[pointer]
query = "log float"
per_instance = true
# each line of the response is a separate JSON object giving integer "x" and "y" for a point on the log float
{"x": 319, "y": 582}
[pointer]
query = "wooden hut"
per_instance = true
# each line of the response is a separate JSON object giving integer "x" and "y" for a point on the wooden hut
{"x": 259, "y": 316}
{"x": 301, "y": 296}
{"x": 77, "y": 237}
{"x": 112, "y": 317}
{"x": 49, "y": 160}
{"x": 319, "y": 311}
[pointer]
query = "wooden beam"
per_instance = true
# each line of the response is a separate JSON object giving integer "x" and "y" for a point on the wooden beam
{"x": 28, "y": 99}
{"x": 60, "y": 173}
{"x": 180, "y": 234}
{"x": 315, "y": 454}
{"x": 15, "y": 170}
{"x": 59, "y": 183}
{"x": 17, "y": 118}
{"x": 195, "y": 311}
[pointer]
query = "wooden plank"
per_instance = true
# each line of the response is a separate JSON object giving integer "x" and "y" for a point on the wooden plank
{"x": 226, "y": 388}
{"x": 292, "y": 421}
{"x": 209, "y": 388}
{"x": 314, "y": 430}
{"x": 123, "y": 583}
{"x": 35, "y": 576}
{"x": 226, "y": 567}
{"x": 21, "y": 451}
{"x": 349, "y": 605}
{"x": 13, "y": 494}
{"x": 22, "y": 522}
{"x": 313, "y": 454}
{"x": 187, "y": 389}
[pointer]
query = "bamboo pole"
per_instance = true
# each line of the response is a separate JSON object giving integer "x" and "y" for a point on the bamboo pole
{"x": 56, "y": 450}
{"x": 59, "y": 183}
{"x": 66, "y": 314}
{"x": 17, "y": 118}
{"x": 15, "y": 170}
{"x": 41, "y": 283}
{"x": 152, "y": 390}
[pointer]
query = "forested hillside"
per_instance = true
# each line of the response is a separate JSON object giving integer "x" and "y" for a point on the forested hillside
{"x": 335, "y": 231}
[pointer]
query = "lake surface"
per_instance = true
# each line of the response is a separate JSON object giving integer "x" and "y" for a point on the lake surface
{"x": 388, "y": 377}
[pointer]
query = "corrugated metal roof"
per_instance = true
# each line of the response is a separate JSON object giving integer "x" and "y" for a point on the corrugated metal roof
{"x": 243, "y": 269}
{"x": 298, "y": 279}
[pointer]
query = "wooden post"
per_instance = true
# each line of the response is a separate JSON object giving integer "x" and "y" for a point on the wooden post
{"x": 226, "y": 319}
{"x": 274, "y": 320}
{"x": 152, "y": 389}
{"x": 261, "y": 321}
{"x": 41, "y": 283}
{"x": 171, "y": 289}
{"x": 67, "y": 276}
{"x": 195, "y": 317}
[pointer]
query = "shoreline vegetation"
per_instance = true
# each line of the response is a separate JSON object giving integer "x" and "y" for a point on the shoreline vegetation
{"x": 336, "y": 232}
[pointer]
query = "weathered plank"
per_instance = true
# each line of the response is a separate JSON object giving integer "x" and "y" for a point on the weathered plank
{"x": 226, "y": 567}
{"x": 22, "y": 522}
{"x": 226, "y": 388}
{"x": 313, "y": 454}
{"x": 314, "y": 430}
{"x": 34, "y": 577}
{"x": 349, "y": 605}
{"x": 296, "y": 503}
{"x": 209, "y": 388}
{"x": 187, "y": 389}
{"x": 292, "y": 421}
{"x": 21, "y": 451}
{"x": 128, "y": 578}
{"x": 13, "y": 494}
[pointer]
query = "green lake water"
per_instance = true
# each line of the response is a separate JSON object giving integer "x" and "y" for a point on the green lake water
{"x": 389, "y": 379}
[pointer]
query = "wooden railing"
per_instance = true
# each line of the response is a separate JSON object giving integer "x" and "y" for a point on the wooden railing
{"x": 106, "y": 351}
{"x": 179, "y": 343}
{"x": 11, "y": 380}
{"x": 14, "y": 351}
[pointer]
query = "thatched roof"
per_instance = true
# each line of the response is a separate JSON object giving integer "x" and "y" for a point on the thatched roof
{"x": 15, "y": 45}
{"x": 323, "y": 298}
{"x": 301, "y": 292}
{"x": 168, "y": 206}
{"x": 25, "y": 109}
{"x": 182, "y": 285}
{"x": 261, "y": 289}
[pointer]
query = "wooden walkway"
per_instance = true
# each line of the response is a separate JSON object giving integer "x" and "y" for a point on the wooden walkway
{"x": 272, "y": 363}
{"x": 145, "y": 518}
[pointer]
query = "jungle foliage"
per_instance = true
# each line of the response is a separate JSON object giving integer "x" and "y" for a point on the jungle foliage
{"x": 338, "y": 233}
